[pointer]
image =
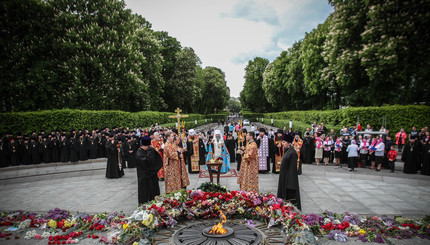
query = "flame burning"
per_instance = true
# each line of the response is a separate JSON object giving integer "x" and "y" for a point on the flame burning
{"x": 218, "y": 229}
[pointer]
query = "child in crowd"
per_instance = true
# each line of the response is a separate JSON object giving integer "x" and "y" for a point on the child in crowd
{"x": 392, "y": 155}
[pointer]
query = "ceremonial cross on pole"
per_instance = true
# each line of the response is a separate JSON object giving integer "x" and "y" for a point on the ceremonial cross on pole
{"x": 179, "y": 116}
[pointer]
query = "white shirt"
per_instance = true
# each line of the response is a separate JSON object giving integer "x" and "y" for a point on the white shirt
{"x": 352, "y": 150}
{"x": 380, "y": 149}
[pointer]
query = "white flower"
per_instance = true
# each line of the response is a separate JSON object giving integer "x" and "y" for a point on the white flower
{"x": 178, "y": 195}
{"x": 326, "y": 221}
{"x": 336, "y": 222}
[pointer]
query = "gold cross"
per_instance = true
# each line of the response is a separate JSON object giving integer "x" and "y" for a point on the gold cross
{"x": 178, "y": 116}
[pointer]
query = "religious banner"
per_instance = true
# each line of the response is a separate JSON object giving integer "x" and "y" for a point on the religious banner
{"x": 279, "y": 154}
{"x": 195, "y": 158}
{"x": 263, "y": 153}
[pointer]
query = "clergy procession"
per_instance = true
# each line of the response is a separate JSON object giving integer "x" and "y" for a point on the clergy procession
{"x": 167, "y": 155}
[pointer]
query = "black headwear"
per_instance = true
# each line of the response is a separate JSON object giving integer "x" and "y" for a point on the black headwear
{"x": 288, "y": 138}
{"x": 146, "y": 140}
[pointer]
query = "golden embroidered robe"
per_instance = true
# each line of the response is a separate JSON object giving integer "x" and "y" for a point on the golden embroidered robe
{"x": 248, "y": 175}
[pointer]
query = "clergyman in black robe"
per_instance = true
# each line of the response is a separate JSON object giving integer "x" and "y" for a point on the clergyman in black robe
{"x": 230, "y": 144}
{"x": 26, "y": 153}
{"x": 113, "y": 168}
{"x": 411, "y": 156}
{"x": 82, "y": 147}
{"x": 148, "y": 163}
{"x": 202, "y": 151}
{"x": 425, "y": 157}
{"x": 92, "y": 147}
{"x": 288, "y": 185}
{"x": 54, "y": 150}
{"x": 3, "y": 154}
{"x": 308, "y": 144}
{"x": 74, "y": 150}
{"x": 64, "y": 146}
{"x": 13, "y": 152}
{"x": 34, "y": 151}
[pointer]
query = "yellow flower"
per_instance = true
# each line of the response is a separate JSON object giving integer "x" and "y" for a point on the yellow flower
{"x": 67, "y": 224}
{"x": 135, "y": 243}
{"x": 257, "y": 209}
{"x": 125, "y": 226}
{"x": 148, "y": 222}
{"x": 52, "y": 224}
{"x": 216, "y": 207}
{"x": 362, "y": 232}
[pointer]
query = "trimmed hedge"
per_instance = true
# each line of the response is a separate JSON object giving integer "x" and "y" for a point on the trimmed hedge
{"x": 397, "y": 117}
{"x": 67, "y": 119}
{"x": 297, "y": 125}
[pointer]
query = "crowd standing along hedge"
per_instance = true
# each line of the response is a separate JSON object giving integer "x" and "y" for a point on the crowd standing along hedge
{"x": 397, "y": 117}
{"x": 67, "y": 119}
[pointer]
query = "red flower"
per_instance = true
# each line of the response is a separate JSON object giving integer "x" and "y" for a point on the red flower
{"x": 328, "y": 227}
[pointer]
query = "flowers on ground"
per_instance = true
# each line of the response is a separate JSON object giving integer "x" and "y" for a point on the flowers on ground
{"x": 61, "y": 227}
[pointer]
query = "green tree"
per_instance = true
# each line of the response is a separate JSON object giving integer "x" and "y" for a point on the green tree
{"x": 182, "y": 87}
{"x": 233, "y": 105}
{"x": 252, "y": 96}
{"x": 313, "y": 65}
{"x": 27, "y": 74}
{"x": 215, "y": 93}
{"x": 341, "y": 52}
{"x": 394, "y": 54}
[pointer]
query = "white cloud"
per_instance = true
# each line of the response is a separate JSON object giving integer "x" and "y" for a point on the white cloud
{"x": 228, "y": 33}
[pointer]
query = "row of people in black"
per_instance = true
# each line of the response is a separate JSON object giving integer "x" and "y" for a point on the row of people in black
{"x": 56, "y": 147}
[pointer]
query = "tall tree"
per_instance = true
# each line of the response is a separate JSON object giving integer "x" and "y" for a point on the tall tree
{"x": 313, "y": 64}
{"x": 341, "y": 49}
{"x": 182, "y": 88}
{"x": 394, "y": 54}
{"x": 252, "y": 96}
{"x": 215, "y": 93}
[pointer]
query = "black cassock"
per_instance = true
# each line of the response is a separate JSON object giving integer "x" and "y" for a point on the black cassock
{"x": 34, "y": 151}
{"x": 46, "y": 151}
{"x": 272, "y": 152}
{"x": 54, "y": 150}
{"x": 230, "y": 144}
{"x": 202, "y": 152}
{"x": 239, "y": 156}
{"x": 411, "y": 157}
{"x": 82, "y": 149}
{"x": 13, "y": 153}
{"x": 64, "y": 150}
{"x": 288, "y": 185}
{"x": 101, "y": 150}
{"x": 74, "y": 150}
{"x": 425, "y": 159}
{"x": 3, "y": 155}
{"x": 112, "y": 169}
{"x": 308, "y": 144}
{"x": 148, "y": 163}
{"x": 129, "y": 154}
{"x": 26, "y": 154}
{"x": 93, "y": 147}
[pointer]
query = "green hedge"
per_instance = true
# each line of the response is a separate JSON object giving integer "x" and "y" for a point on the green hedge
{"x": 79, "y": 119}
{"x": 397, "y": 117}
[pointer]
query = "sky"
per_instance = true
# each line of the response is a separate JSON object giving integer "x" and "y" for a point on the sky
{"x": 229, "y": 33}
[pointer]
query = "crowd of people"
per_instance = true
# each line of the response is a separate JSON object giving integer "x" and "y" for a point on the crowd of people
{"x": 368, "y": 148}
{"x": 166, "y": 154}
